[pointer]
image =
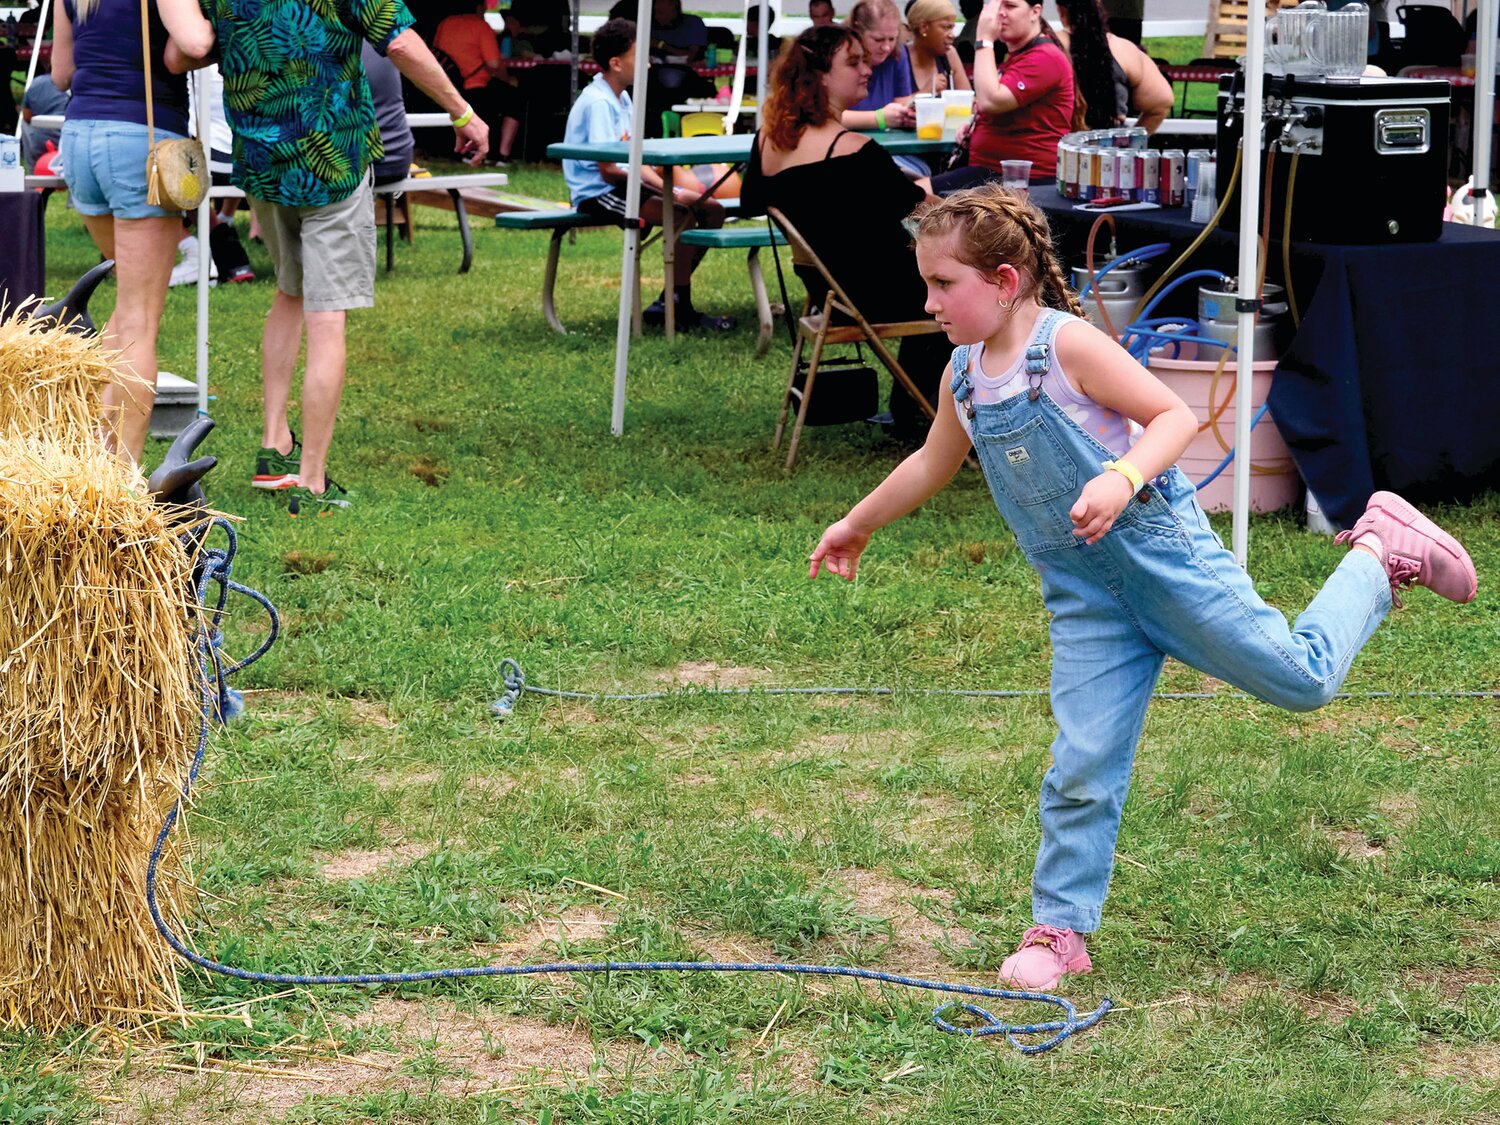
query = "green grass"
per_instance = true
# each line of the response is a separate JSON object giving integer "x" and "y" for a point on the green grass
{"x": 1301, "y": 928}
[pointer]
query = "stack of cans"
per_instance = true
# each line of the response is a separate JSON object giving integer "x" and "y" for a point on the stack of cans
{"x": 1116, "y": 164}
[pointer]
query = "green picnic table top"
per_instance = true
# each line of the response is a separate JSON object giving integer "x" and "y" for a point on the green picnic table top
{"x": 731, "y": 149}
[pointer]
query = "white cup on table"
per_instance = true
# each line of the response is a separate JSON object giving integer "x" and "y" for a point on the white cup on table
{"x": 1015, "y": 175}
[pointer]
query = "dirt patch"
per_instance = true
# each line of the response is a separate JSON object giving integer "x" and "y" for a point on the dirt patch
{"x": 1243, "y": 987}
{"x": 1451, "y": 983}
{"x": 706, "y": 673}
{"x": 546, "y": 932}
{"x": 1353, "y": 845}
{"x": 915, "y": 937}
{"x": 433, "y": 1048}
{"x": 362, "y": 864}
{"x": 424, "y": 780}
{"x": 492, "y": 786}
{"x": 370, "y": 713}
{"x": 1467, "y": 1064}
{"x": 1400, "y": 808}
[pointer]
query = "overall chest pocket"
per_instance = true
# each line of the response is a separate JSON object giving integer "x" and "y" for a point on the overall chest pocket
{"x": 1028, "y": 464}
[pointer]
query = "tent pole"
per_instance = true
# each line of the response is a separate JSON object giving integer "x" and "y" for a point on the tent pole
{"x": 628, "y": 279}
{"x": 36, "y": 54}
{"x": 1484, "y": 103}
{"x": 202, "y": 115}
{"x": 1249, "y": 270}
{"x": 762, "y": 45}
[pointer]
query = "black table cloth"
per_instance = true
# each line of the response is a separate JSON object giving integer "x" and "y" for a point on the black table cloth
{"x": 1392, "y": 380}
{"x": 23, "y": 262}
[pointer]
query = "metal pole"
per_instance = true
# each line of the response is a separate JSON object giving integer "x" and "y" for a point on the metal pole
{"x": 1249, "y": 269}
{"x": 1484, "y": 103}
{"x": 573, "y": 66}
{"x": 628, "y": 280}
{"x": 202, "y": 115}
{"x": 761, "y": 47}
{"x": 36, "y": 55}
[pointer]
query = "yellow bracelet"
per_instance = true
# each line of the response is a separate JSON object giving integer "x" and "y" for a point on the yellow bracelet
{"x": 1129, "y": 472}
{"x": 464, "y": 118}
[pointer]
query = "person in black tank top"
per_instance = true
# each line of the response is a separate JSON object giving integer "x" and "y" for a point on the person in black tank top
{"x": 846, "y": 196}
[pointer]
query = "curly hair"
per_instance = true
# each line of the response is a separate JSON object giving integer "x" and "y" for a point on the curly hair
{"x": 995, "y": 227}
{"x": 1088, "y": 31}
{"x": 796, "y": 98}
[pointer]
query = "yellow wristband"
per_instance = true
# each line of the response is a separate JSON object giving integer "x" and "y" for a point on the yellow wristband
{"x": 464, "y": 118}
{"x": 1129, "y": 472}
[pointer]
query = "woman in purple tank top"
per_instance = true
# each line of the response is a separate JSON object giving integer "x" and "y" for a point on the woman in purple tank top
{"x": 97, "y": 51}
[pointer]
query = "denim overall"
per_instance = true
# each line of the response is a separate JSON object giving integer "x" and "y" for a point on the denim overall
{"x": 1159, "y": 584}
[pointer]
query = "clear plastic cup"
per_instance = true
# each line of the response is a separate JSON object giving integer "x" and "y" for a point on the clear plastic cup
{"x": 929, "y": 117}
{"x": 958, "y": 108}
{"x": 1015, "y": 175}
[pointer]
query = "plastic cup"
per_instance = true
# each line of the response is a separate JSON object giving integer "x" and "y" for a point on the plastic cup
{"x": 958, "y": 108}
{"x": 929, "y": 118}
{"x": 1015, "y": 175}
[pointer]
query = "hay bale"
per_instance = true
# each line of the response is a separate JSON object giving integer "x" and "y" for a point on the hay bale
{"x": 99, "y": 714}
{"x": 51, "y": 380}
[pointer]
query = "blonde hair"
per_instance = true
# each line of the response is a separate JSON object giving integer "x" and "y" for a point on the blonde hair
{"x": 868, "y": 14}
{"x": 995, "y": 227}
{"x": 929, "y": 11}
{"x": 83, "y": 9}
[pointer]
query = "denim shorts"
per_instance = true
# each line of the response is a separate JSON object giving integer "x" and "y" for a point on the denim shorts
{"x": 104, "y": 163}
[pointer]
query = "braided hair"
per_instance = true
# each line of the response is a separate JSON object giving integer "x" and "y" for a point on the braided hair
{"x": 995, "y": 227}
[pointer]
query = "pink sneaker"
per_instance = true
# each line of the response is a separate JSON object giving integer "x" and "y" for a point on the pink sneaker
{"x": 1417, "y": 551}
{"x": 1045, "y": 954}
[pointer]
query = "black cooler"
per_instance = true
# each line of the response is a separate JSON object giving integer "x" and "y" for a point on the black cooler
{"x": 1374, "y": 156}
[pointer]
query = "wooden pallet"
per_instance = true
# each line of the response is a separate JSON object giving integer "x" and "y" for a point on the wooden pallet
{"x": 1228, "y": 25}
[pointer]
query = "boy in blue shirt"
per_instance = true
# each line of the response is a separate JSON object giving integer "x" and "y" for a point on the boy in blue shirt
{"x": 603, "y": 113}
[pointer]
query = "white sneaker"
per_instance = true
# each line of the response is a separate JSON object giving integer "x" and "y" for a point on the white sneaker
{"x": 185, "y": 272}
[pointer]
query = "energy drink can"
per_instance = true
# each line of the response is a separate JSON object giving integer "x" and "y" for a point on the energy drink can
{"x": 1068, "y": 171}
{"x": 1125, "y": 178}
{"x": 1173, "y": 177}
{"x": 1148, "y": 176}
{"x": 1088, "y": 172}
{"x": 1108, "y": 173}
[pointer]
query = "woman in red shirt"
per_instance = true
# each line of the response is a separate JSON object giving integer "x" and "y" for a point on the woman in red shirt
{"x": 471, "y": 43}
{"x": 1022, "y": 112}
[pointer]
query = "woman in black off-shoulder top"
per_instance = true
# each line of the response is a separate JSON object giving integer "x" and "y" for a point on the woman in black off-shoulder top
{"x": 846, "y": 196}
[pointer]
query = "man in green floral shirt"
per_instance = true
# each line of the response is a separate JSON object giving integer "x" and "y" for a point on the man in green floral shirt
{"x": 305, "y": 137}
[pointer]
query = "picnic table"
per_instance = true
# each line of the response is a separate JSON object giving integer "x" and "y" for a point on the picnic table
{"x": 670, "y": 152}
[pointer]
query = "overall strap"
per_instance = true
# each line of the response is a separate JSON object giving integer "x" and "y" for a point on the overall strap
{"x": 1039, "y": 351}
{"x": 962, "y": 388}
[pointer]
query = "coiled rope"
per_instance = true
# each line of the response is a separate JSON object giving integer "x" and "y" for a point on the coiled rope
{"x": 215, "y": 567}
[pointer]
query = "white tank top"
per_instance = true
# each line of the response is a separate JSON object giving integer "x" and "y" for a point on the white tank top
{"x": 1109, "y": 428}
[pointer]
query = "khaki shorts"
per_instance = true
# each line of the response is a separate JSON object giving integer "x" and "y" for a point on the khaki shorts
{"x": 325, "y": 255}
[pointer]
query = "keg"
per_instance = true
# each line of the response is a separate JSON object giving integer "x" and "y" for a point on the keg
{"x": 1121, "y": 290}
{"x": 1219, "y": 320}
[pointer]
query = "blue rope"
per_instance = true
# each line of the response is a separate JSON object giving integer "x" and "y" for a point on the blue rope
{"x": 215, "y": 566}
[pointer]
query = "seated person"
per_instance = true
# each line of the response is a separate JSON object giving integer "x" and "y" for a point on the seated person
{"x": 752, "y": 35}
{"x": 935, "y": 65}
{"x": 541, "y": 27}
{"x": 887, "y": 104}
{"x": 469, "y": 40}
{"x": 846, "y": 196}
{"x": 1022, "y": 113}
{"x": 1114, "y": 75}
{"x": 821, "y": 13}
{"x": 603, "y": 113}
{"x": 675, "y": 36}
{"x": 42, "y": 98}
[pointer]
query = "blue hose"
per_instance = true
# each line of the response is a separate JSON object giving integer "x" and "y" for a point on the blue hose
{"x": 1229, "y": 457}
{"x": 1171, "y": 286}
{"x": 216, "y": 566}
{"x": 1144, "y": 254}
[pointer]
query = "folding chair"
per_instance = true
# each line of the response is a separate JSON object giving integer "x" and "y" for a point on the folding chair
{"x": 816, "y": 327}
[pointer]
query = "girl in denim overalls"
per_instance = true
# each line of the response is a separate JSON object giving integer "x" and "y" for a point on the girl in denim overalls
{"x": 1077, "y": 442}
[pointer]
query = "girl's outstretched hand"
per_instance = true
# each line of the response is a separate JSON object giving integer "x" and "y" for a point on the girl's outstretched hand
{"x": 839, "y": 550}
{"x": 1100, "y": 503}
